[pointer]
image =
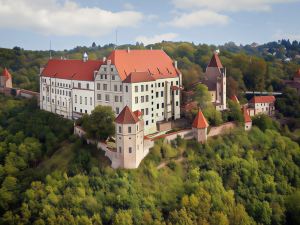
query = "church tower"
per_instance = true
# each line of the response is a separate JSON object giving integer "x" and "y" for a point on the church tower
{"x": 130, "y": 138}
{"x": 215, "y": 79}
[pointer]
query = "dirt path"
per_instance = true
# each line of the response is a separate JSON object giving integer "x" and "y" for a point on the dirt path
{"x": 164, "y": 164}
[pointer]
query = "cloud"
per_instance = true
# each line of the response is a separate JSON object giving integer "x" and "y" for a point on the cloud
{"x": 199, "y": 18}
{"x": 128, "y": 6}
{"x": 156, "y": 38}
{"x": 63, "y": 18}
{"x": 229, "y": 5}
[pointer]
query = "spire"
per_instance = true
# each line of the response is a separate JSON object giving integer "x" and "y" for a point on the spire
{"x": 126, "y": 116}
{"x": 6, "y": 73}
{"x": 215, "y": 61}
{"x": 247, "y": 117}
{"x": 200, "y": 121}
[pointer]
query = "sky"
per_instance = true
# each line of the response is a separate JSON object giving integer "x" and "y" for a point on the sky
{"x": 32, "y": 24}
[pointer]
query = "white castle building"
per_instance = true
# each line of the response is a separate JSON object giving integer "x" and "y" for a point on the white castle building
{"x": 144, "y": 80}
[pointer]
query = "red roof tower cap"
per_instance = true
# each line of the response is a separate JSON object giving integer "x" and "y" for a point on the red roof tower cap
{"x": 126, "y": 116}
{"x": 247, "y": 117}
{"x": 200, "y": 121}
{"x": 215, "y": 61}
{"x": 6, "y": 73}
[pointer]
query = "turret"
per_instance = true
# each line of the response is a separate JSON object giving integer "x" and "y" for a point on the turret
{"x": 6, "y": 79}
{"x": 199, "y": 127}
{"x": 130, "y": 138}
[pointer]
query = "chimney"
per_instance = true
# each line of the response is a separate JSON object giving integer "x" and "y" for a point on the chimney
{"x": 128, "y": 49}
{"x": 175, "y": 64}
{"x": 85, "y": 57}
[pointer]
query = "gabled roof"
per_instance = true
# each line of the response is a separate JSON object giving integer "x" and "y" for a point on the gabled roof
{"x": 136, "y": 77}
{"x": 6, "y": 74}
{"x": 71, "y": 69}
{"x": 155, "y": 62}
{"x": 234, "y": 99}
{"x": 247, "y": 117}
{"x": 215, "y": 61}
{"x": 200, "y": 121}
{"x": 126, "y": 116}
{"x": 263, "y": 99}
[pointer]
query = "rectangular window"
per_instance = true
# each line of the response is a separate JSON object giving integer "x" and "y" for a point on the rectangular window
{"x": 147, "y": 122}
{"x": 136, "y": 100}
{"x": 129, "y": 129}
{"x": 177, "y": 82}
{"x": 162, "y": 105}
{"x": 115, "y": 88}
{"x": 157, "y": 106}
{"x": 177, "y": 103}
{"x": 157, "y": 94}
{"x": 85, "y": 100}
{"x": 98, "y": 86}
{"x": 80, "y": 99}
{"x": 130, "y": 150}
{"x": 113, "y": 77}
{"x": 112, "y": 69}
{"x": 116, "y": 98}
{"x": 142, "y": 99}
{"x": 101, "y": 76}
{"x": 158, "y": 84}
{"x": 147, "y": 98}
{"x": 99, "y": 97}
{"x": 162, "y": 94}
{"x": 136, "y": 88}
{"x": 117, "y": 110}
{"x": 121, "y": 88}
{"x": 105, "y": 87}
{"x": 142, "y": 88}
{"x": 107, "y": 98}
{"x": 120, "y": 149}
{"x": 143, "y": 112}
{"x": 163, "y": 84}
{"x": 126, "y": 87}
{"x": 87, "y": 86}
{"x": 120, "y": 129}
{"x": 121, "y": 98}
{"x": 147, "y": 87}
{"x": 75, "y": 98}
{"x": 91, "y": 101}
{"x": 79, "y": 85}
{"x": 147, "y": 111}
{"x": 176, "y": 92}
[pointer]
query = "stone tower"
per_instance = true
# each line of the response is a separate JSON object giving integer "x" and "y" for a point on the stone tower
{"x": 129, "y": 138}
{"x": 215, "y": 80}
{"x": 199, "y": 127}
{"x": 6, "y": 79}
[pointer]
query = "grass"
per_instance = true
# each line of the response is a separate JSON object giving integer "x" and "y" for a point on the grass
{"x": 59, "y": 160}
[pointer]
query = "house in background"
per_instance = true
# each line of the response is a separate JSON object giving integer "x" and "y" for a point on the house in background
{"x": 262, "y": 105}
{"x": 295, "y": 83}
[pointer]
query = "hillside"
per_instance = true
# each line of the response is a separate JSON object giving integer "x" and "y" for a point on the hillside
{"x": 48, "y": 176}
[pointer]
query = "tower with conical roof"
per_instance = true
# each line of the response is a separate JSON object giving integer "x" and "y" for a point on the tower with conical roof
{"x": 199, "y": 127}
{"x": 215, "y": 80}
{"x": 6, "y": 79}
{"x": 129, "y": 138}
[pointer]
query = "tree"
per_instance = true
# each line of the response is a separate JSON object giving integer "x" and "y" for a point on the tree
{"x": 293, "y": 208}
{"x": 202, "y": 96}
{"x": 100, "y": 124}
{"x": 123, "y": 217}
{"x": 235, "y": 111}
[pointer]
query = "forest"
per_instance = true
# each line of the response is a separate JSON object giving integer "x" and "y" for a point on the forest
{"x": 49, "y": 176}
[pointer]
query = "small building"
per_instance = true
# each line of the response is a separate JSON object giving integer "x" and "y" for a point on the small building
{"x": 247, "y": 119}
{"x": 262, "y": 104}
{"x": 199, "y": 127}
{"x": 6, "y": 79}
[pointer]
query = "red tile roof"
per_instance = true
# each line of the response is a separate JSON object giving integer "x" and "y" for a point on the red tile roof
{"x": 136, "y": 77}
{"x": 71, "y": 69}
{"x": 6, "y": 74}
{"x": 247, "y": 117}
{"x": 138, "y": 113}
{"x": 200, "y": 121}
{"x": 155, "y": 62}
{"x": 215, "y": 61}
{"x": 126, "y": 116}
{"x": 235, "y": 99}
{"x": 297, "y": 74}
{"x": 263, "y": 99}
